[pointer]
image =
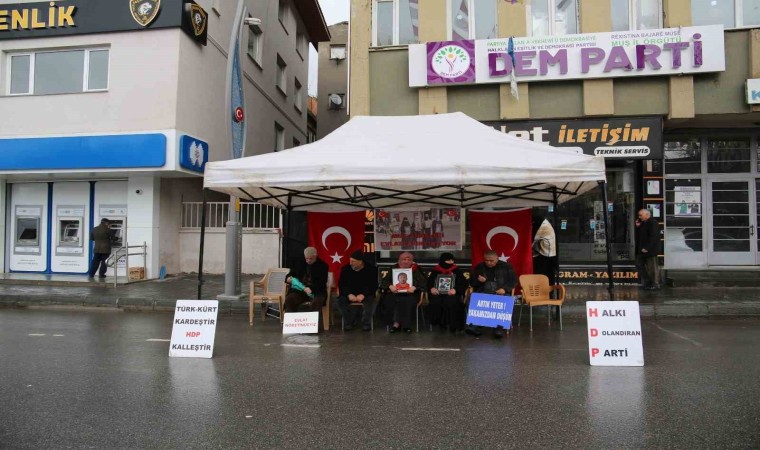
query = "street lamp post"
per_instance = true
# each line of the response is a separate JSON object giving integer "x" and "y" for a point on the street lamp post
{"x": 235, "y": 113}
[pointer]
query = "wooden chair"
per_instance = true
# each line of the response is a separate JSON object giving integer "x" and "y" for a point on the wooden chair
{"x": 271, "y": 288}
{"x": 536, "y": 291}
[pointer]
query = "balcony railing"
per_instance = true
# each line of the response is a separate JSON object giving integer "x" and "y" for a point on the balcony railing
{"x": 252, "y": 215}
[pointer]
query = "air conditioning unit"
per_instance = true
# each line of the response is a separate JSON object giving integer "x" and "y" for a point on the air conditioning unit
{"x": 335, "y": 101}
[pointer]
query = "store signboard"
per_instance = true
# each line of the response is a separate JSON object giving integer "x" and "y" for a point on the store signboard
{"x": 40, "y": 19}
{"x": 619, "y": 138}
{"x": 669, "y": 51}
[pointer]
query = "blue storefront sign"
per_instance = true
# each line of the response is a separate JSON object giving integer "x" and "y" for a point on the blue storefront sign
{"x": 490, "y": 310}
{"x": 120, "y": 151}
{"x": 193, "y": 153}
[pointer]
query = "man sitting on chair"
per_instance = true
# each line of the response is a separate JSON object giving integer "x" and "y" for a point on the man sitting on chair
{"x": 492, "y": 277}
{"x": 358, "y": 283}
{"x": 312, "y": 273}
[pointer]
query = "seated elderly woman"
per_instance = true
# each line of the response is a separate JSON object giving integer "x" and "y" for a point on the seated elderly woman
{"x": 398, "y": 307}
{"x": 447, "y": 286}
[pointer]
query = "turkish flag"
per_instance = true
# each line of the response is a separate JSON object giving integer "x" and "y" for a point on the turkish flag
{"x": 508, "y": 233}
{"x": 336, "y": 235}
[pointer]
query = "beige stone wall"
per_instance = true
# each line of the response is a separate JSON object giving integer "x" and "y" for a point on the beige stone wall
{"x": 432, "y": 14}
{"x": 359, "y": 42}
{"x": 598, "y": 95}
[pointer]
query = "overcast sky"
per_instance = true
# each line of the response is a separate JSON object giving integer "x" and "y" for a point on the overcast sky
{"x": 334, "y": 11}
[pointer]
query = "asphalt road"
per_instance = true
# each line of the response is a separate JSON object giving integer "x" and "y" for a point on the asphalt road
{"x": 84, "y": 378}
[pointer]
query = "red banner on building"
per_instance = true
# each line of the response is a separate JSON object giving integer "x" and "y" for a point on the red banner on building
{"x": 336, "y": 236}
{"x": 508, "y": 233}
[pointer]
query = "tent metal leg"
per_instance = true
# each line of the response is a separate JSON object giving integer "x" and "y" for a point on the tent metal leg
{"x": 200, "y": 253}
{"x": 611, "y": 286}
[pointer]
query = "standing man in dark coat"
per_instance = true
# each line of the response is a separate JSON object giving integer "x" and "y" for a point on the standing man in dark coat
{"x": 646, "y": 259}
{"x": 312, "y": 273}
{"x": 103, "y": 237}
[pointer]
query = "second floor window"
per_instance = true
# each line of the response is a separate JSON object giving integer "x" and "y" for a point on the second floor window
{"x": 299, "y": 96}
{"x": 472, "y": 19}
{"x": 729, "y": 13}
{"x": 279, "y": 137}
{"x": 395, "y": 22}
{"x": 282, "y": 75}
{"x": 59, "y": 72}
{"x": 636, "y": 15}
{"x": 255, "y": 43}
{"x": 553, "y": 17}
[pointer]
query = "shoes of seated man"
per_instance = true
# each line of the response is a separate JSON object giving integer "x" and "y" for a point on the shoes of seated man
{"x": 348, "y": 328}
{"x": 408, "y": 330}
{"x": 366, "y": 328}
{"x": 470, "y": 331}
{"x": 498, "y": 332}
{"x": 394, "y": 329}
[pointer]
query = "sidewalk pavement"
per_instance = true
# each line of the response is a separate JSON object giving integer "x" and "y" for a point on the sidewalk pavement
{"x": 161, "y": 295}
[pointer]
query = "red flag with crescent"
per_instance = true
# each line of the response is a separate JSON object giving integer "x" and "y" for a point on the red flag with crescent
{"x": 508, "y": 233}
{"x": 336, "y": 235}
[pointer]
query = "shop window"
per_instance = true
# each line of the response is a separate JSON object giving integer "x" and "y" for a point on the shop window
{"x": 553, "y": 17}
{"x": 395, "y": 22}
{"x": 683, "y": 217}
{"x": 472, "y": 19}
{"x": 636, "y": 15}
{"x": 580, "y": 225}
{"x": 729, "y": 13}
{"x": 59, "y": 72}
{"x": 255, "y": 42}
{"x": 683, "y": 156}
{"x": 728, "y": 156}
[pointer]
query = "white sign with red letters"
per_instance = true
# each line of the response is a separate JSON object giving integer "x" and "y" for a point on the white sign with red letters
{"x": 194, "y": 328}
{"x": 614, "y": 334}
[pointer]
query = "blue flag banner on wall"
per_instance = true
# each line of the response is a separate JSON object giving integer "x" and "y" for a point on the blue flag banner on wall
{"x": 490, "y": 310}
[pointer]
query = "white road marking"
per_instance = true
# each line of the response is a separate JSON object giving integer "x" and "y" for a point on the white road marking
{"x": 301, "y": 345}
{"x": 57, "y": 335}
{"x": 680, "y": 336}
{"x": 158, "y": 340}
{"x": 429, "y": 349}
{"x": 32, "y": 334}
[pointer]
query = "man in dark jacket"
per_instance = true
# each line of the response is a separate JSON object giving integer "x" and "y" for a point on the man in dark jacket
{"x": 358, "y": 283}
{"x": 312, "y": 273}
{"x": 103, "y": 237}
{"x": 649, "y": 241}
{"x": 492, "y": 277}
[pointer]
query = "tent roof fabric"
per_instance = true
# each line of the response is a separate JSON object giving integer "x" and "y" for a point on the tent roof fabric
{"x": 443, "y": 160}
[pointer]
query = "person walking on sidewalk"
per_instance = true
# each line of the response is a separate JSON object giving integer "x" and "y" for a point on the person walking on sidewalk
{"x": 649, "y": 241}
{"x": 103, "y": 237}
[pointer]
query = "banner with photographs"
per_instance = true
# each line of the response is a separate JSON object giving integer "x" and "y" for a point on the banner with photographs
{"x": 418, "y": 229}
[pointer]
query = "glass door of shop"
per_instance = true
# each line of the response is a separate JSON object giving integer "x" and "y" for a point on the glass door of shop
{"x": 732, "y": 222}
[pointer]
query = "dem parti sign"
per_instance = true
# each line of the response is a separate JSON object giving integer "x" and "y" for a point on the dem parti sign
{"x": 668, "y": 51}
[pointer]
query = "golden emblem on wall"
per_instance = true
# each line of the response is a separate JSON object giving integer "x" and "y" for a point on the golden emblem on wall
{"x": 198, "y": 17}
{"x": 144, "y": 11}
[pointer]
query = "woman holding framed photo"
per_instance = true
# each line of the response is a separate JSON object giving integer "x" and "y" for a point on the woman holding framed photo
{"x": 446, "y": 285}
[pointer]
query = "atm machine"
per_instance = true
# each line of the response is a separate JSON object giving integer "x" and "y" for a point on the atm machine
{"x": 117, "y": 216}
{"x": 69, "y": 253}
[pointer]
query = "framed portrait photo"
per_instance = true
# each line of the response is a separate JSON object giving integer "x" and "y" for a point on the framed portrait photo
{"x": 444, "y": 283}
{"x": 402, "y": 279}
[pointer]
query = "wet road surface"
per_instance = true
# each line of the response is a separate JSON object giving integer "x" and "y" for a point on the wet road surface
{"x": 84, "y": 378}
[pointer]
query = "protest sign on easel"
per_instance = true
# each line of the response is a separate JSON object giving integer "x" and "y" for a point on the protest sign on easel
{"x": 490, "y": 310}
{"x": 301, "y": 323}
{"x": 614, "y": 334}
{"x": 194, "y": 329}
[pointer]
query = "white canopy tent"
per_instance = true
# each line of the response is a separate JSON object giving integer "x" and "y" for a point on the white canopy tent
{"x": 444, "y": 160}
{"x": 392, "y": 161}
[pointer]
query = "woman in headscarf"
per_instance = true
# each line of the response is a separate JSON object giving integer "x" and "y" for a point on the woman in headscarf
{"x": 446, "y": 305}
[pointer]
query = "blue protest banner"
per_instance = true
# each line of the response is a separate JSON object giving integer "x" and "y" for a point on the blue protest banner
{"x": 490, "y": 310}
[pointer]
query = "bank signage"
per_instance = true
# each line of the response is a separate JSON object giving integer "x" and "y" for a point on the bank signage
{"x": 69, "y": 17}
{"x": 193, "y": 153}
{"x": 619, "y": 138}
{"x": 668, "y": 51}
{"x": 753, "y": 91}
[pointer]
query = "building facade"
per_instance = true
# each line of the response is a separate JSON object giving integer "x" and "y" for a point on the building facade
{"x": 332, "y": 85}
{"x": 111, "y": 109}
{"x": 662, "y": 88}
